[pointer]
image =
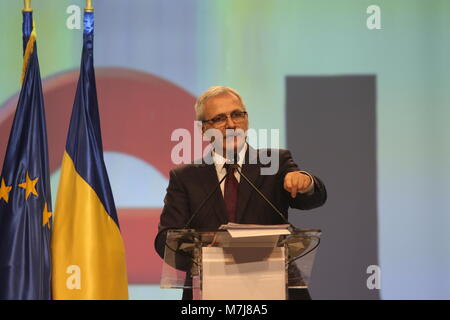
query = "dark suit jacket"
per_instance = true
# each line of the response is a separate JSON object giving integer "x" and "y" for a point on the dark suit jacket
{"x": 190, "y": 184}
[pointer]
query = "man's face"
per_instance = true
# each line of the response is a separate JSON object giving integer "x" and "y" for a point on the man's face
{"x": 233, "y": 131}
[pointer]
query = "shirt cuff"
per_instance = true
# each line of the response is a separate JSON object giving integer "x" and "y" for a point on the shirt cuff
{"x": 310, "y": 189}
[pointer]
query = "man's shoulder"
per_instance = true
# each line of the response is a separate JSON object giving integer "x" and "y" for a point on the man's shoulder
{"x": 187, "y": 168}
{"x": 268, "y": 152}
{"x": 273, "y": 150}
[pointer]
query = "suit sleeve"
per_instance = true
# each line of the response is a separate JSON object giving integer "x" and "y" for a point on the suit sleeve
{"x": 175, "y": 212}
{"x": 302, "y": 201}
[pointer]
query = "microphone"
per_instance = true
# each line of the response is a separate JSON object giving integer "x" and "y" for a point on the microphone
{"x": 186, "y": 226}
{"x": 163, "y": 230}
{"x": 185, "y": 259}
{"x": 232, "y": 159}
{"x": 184, "y": 263}
{"x": 236, "y": 167}
{"x": 203, "y": 203}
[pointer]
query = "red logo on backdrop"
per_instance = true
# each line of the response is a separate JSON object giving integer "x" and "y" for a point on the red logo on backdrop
{"x": 138, "y": 112}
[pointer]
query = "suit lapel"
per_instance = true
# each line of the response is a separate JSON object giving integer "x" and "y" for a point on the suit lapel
{"x": 251, "y": 169}
{"x": 209, "y": 181}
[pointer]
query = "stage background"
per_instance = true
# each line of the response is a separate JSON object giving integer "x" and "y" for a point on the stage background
{"x": 153, "y": 57}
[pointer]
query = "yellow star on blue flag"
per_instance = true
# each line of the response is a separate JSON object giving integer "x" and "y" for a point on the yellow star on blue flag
{"x": 30, "y": 186}
{"x": 4, "y": 191}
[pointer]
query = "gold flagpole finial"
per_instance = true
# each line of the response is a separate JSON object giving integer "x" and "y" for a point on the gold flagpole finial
{"x": 89, "y": 7}
{"x": 27, "y": 6}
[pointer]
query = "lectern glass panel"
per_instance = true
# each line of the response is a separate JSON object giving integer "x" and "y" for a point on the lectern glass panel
{"x": 185, "y": 248}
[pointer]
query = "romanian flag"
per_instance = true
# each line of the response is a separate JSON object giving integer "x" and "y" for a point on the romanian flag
{"x": 25, "y": 198}
{"x": 87, "y": 249}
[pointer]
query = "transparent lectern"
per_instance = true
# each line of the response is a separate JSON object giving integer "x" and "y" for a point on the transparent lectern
{"x": 216, "y": 265}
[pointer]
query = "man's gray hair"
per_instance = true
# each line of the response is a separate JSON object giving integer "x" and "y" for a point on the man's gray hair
{"x": 213, "y": 92}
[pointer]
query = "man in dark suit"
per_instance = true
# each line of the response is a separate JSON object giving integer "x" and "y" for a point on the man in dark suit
{"x": 222, "y": 112}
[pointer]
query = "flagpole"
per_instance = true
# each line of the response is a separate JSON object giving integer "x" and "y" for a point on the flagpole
{"x": 89, "y": 7}
{"x": 27, "y": 6}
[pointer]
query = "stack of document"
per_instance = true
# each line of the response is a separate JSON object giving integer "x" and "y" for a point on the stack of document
{"x": 237, "y": 230}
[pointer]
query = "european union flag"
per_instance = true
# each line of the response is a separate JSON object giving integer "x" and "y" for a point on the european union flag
{"x": 25, "y": 198}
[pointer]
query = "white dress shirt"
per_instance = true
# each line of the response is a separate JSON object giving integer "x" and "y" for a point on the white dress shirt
{"x": 220, "y": 161}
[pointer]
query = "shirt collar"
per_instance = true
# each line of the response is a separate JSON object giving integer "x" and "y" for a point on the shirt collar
{"x": 219, "y": 161}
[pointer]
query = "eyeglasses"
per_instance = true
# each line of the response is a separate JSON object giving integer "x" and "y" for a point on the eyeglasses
{"x": 221, "y": 119}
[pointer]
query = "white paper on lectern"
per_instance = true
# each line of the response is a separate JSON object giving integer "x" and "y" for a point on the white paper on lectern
{"x": 255, "y": 230}
{"x": 232, "y": 225}
{"x": 224, "y": 239}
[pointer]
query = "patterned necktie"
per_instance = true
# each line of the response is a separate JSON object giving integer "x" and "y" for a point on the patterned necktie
{"x": 231, "y": 193}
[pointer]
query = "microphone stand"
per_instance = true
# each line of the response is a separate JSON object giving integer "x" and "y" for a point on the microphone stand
{"x": 204, "y": 202}
{"x": 186, "y": 226}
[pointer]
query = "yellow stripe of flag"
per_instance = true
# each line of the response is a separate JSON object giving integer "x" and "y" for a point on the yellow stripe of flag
{"x": 88, "y": 254}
